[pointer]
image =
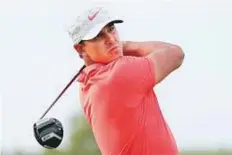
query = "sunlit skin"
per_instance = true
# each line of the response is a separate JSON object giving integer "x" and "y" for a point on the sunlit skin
{"x": 104, "y": 48}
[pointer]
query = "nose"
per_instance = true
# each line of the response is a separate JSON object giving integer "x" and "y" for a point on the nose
{"x": 110, "y": 39}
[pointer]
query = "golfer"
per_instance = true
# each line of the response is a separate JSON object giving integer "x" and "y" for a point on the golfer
{"x": 116, "y": 86}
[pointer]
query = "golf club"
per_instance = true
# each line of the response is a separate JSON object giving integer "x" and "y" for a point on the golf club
{"x": 49, "y": 131}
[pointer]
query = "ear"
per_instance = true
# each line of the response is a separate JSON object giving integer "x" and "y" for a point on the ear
{"x": 78, "y": 48}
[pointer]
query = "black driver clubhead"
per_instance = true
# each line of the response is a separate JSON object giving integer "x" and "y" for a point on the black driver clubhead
{"x": 48, "y": 132}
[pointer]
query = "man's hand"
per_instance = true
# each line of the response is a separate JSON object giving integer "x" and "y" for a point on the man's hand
{"x": 131, "y": 48}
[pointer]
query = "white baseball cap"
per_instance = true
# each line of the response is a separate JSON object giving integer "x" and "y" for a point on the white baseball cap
{"x": 90, "y": 23}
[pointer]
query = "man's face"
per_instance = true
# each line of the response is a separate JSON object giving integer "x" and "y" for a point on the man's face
{"x": 105, "y": 47}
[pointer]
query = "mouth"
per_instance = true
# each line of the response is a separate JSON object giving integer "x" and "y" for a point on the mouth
{"x": 112, "y": 49}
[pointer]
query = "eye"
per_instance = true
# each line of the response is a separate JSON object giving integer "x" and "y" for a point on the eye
{"x": 111, "y": 28}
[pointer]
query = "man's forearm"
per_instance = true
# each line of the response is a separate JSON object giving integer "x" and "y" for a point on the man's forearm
{"x": 143, "y": 48}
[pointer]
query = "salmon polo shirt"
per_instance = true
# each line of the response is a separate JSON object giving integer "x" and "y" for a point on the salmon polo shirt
{"x": 122, "y": 109}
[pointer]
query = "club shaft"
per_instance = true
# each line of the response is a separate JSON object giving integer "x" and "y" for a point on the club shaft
{"x": 63, "y": 91}
{"x": 58, "y": 97}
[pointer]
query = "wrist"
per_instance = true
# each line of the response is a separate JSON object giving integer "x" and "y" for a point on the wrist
{"x": 130, "y": 48}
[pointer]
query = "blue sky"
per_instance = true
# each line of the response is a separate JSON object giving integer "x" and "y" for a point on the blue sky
{"x": 37, "y": 60}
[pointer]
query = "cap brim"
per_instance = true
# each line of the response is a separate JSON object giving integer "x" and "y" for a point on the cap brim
{"x": 96, "y": 29}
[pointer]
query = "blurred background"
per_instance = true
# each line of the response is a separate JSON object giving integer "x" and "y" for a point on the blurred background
{"x": 37, "y": 60}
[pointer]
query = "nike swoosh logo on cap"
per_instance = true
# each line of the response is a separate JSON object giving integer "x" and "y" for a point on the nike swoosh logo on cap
{"x": 93, "y": 16}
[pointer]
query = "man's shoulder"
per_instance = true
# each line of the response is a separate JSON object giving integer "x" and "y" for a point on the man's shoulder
{"x": 131, "y": 59}
{"x": 122, "y": 65}
{"x": 129, "y": 62}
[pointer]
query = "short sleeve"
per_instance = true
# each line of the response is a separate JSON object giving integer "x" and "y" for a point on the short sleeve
{"x": 134, "y": 73}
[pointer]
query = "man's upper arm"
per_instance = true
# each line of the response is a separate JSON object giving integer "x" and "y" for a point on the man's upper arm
{"x": 133, "y": 74}
{"x": 165, "y": 61}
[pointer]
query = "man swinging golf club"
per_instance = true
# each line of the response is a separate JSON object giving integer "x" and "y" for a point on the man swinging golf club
{"x": 116, "y": 86}
{"x": 116, "y": 89}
